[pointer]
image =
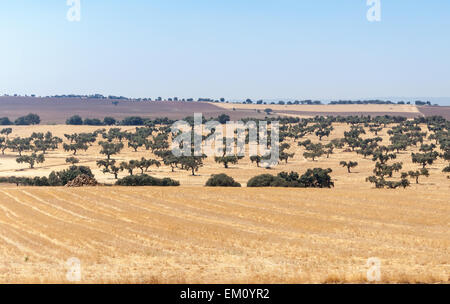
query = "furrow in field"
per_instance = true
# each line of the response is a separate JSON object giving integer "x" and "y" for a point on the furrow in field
{"x": 280, "y": 235}
{"x": 30, "y": 244}
{"x": 68, "y": 230}
{"x": 120, "y": 226}
{"x": 109, "y": 228}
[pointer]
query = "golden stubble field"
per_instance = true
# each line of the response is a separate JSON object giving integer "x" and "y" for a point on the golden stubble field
{"x": 193, "y": 234}
{"x": 366, "y": 108}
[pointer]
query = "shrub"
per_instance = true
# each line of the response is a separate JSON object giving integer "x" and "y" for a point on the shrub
{"x": 317, "y": 178}
{"x": 61, "y": 178}
{"x": 30, "y": 119}
{"x": 54, "y": 179}
{"x": 41, "y": 181}
{"x": 109, "y": 121}
{"x": 221, "y": 180}
{"x": 146, "y": 180}
{"x": 313, "y": 178}
{"x": 223, "y": 118}
{"x": 133, "y": 121}
{"x": 93, "y": 122}
{"x": 4, "y": 121}
{"x": 264, "y": 180}
{"x": 72, "y": 160}
{"x": 26, "y": 181}
{"x": 74, "y": 120}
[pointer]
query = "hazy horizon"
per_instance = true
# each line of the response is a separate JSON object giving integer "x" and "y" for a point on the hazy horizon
{"x": 442, "y": 101}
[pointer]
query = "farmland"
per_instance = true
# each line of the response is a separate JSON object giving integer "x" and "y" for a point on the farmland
{"x": 157, "y": 235}
{"x": 197, "y": 234}
{"x": 57, "y": 110}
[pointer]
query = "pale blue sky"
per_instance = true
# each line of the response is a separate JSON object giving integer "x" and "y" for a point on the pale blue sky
{"x": 317, "y": 49}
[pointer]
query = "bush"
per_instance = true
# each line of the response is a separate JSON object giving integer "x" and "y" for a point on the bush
{"x": 317, "y": 178}
{"x": 4, "y": 121}
{"x": 30, "y": 119}
{"x": 74, "y": 120}
{"x": 109, "y": 121}
{"x": 26, "y": 181}
{"x": 263, "y": 180}
{"x": 221, "y": 180}
{"x": 61, "y": 178}
{"x": 93, "y": 122}
{"x": 41, "y": 181}
{"x": 54, "y": 179}
{"x": 146, "y": 180}
{"x": 313, "y": 178}
{"x": 133, "y": 121}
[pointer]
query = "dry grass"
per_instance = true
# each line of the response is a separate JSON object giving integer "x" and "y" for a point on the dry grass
{"x": 325, "y": 108}
{"x": 242, "y": 172}
{"x": 158, "y": 235}
{"x": 203, "y": 235}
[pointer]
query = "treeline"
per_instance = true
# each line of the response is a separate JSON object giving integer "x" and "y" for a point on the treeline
{"x": 60, "y": 178}
{"x": 376, "y": 101}
{"x": 110, "y": 121}
{"x": 312, "y": 178}
{"x": 115, "y": 100}
{"x": 121, "y": 98}
{"x": 223, "y": 118}
{"x": 282, "y": 102}
{"x": 30, "y": 119}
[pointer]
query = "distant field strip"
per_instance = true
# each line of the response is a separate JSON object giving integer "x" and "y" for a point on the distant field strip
{"x": 326, "y": 108}
{"x": 182, "y": 235}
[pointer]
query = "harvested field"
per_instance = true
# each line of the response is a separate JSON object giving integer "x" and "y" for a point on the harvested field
{"x": 194, "y": 234}
{"x": 57, "y": 110}
{"x": 408, "y": 111}
{"x": 344, "y": 114}
{"x": 432, "y": 111}
{"x": 158, "y": 235}
{"x": 327, "y": 108}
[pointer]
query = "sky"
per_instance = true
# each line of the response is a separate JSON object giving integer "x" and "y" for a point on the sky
{"x": 236, "y": 49}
